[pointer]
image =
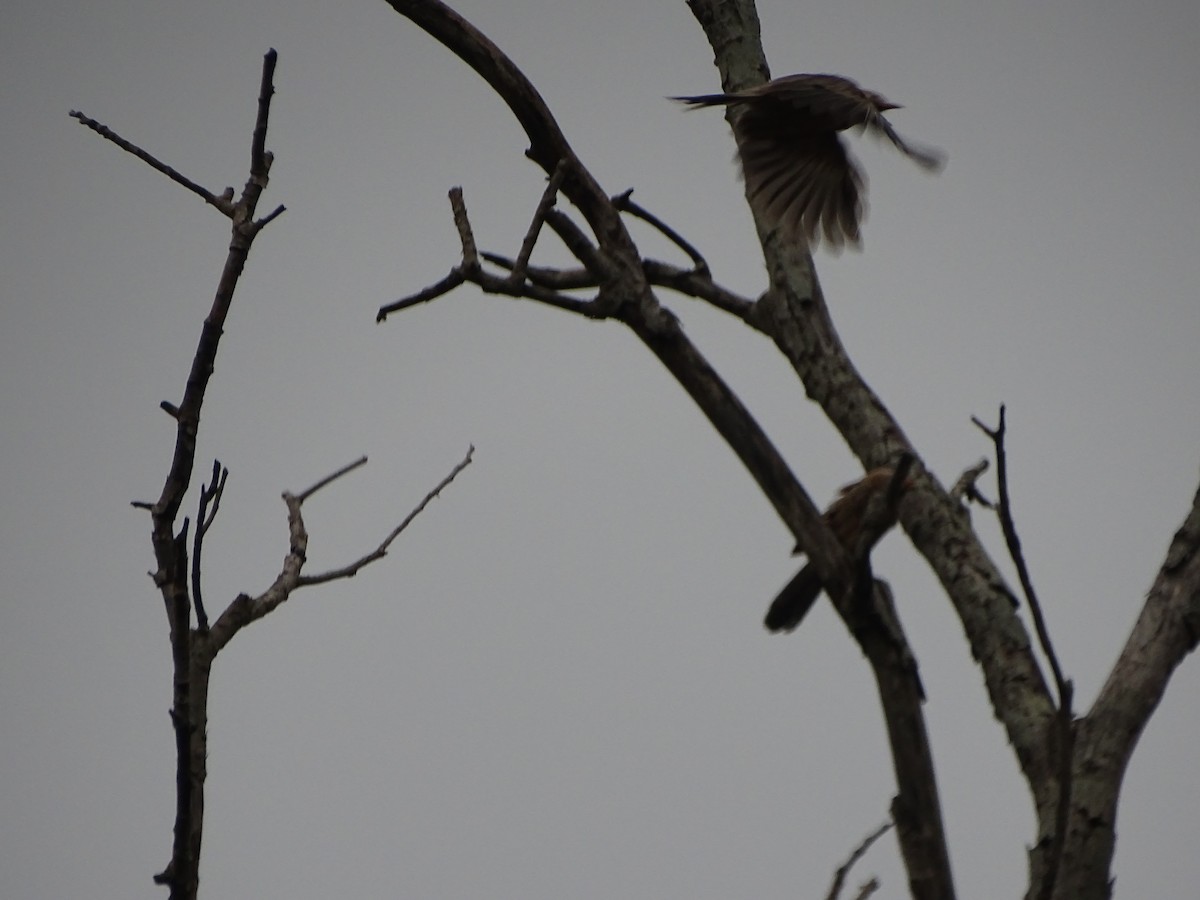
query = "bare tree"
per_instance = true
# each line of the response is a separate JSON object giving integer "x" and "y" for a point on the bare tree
{"x": 195, "y": 645}
{"x": 1073, "y": 764}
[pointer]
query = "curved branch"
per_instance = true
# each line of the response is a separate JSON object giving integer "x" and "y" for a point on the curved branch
{"x": 547, "y": 145}
{"x": 625, "y": 294}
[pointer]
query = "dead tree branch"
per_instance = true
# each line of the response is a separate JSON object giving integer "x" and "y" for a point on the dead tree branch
{"x": 223, "y": 201}
{"x": 1013, "y": 542}
{"x": 625, "y": 293}
{"x": 194, "y": 649}
{"x": 350, "y": 570}
{"x": 245, "y": 609}
{"x": 209, "y": 494}
{"x": 189, "y": 701}
{"x": 624, "y": 202}
{"x": 839, "y": 877}
{"x": 1063, "y": 749}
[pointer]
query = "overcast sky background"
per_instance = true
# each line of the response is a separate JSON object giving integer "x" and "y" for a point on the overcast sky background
{"x": 557, "y": 684}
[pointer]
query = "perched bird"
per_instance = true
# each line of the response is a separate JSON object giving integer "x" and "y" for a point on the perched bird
{"x": 845, "y": 519}
{"x": 798, "y": 174}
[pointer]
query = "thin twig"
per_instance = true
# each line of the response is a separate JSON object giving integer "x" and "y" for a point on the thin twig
{"x": 624, "y": 202}
{"x": 260, "y": 224}
{"x": 445, "y": 286}
{"x": 517, "y": 274}
{"x": 1013, "y": 541}
{"x": 344, "y": 470}
{"x": 222, "y": 202}
{"x": 839, "y": 877}
{"x": 1066, "y": 689}
{"x": 351, "y": 570}
{"x": 209, "y": 494}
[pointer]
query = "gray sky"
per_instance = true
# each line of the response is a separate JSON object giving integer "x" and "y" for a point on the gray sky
{"x": 557, "y": 684}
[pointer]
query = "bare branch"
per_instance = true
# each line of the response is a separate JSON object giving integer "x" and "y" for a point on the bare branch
{"x": 260, "y": 224}
{"x": 445, "y": 286}
{"x": 223, "y": 202}
{"x": 1066, "y": 730}
{"x": 839, "y": 877}
{"x": 547, "y": 144}
{"x": 349, "y": 571}
{"x": 517, "y": 275}
{"x": 190, "y": 648}
{"x": 1166, "y": 632}
{"x": 344, "y": 470}
{"x": 1013, "y": 541}
{"x": 624, "y": 202}
{"x": 210, "y": 493}
{"x": 245, "y": 609}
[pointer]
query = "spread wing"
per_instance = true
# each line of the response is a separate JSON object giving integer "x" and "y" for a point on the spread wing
{"x": 803, "y": 182}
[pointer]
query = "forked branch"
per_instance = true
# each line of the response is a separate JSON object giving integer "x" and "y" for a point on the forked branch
{"x": 624, "y": 291}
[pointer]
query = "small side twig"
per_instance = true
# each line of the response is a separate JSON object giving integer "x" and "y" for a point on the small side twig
{"x": 624, "y": 203}
{"x": 839, "y": 877}
{"x": 209, "y": 494}
{"x": 966, "y": 489}
{"x": 435, "y": 290}
{"x": 517, "y": 273}
{"x": 1064, "y": 686}
{"x": 245, "y": 609}
{"x": 533, "y": 287}
{"x": 349, "y": 571}
{"x": 223, "y": 202}
{"x": 1013, "y": 541}
{"x": 344, "y": 470}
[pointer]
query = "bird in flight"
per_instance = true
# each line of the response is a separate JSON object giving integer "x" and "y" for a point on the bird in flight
{"x": 797, "y": 170}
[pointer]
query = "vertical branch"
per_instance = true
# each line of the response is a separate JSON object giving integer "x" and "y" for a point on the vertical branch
{"x": 1064, "y": 747}
{"x": 189, "y": 649}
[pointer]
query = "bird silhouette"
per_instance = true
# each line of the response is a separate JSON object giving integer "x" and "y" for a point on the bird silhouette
{"x": 845, "y": 519}
{"x": 798, "y": 173}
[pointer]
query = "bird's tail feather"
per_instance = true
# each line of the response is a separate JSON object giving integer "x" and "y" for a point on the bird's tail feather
{"x": 704, "y": 100}
{"x": 794, "y": 601}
